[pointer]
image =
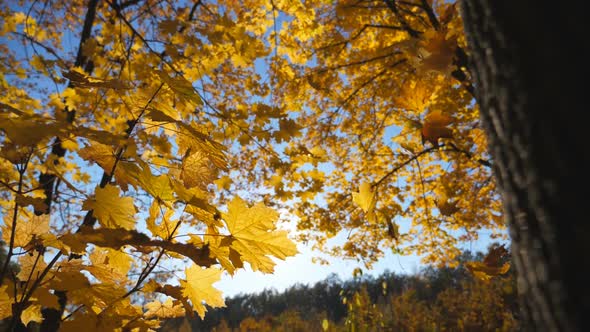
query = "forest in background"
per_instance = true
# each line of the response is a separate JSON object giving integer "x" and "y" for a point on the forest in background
{"x": 432, "y": 299}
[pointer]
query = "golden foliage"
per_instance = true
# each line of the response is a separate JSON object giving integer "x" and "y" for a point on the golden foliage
{"x": 139, "y": 137}
{"x": 383, "y": 90}
{"x": 109, "y": 153}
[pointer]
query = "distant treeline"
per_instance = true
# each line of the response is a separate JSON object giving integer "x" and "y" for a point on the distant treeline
{"x": 435, "y": 299}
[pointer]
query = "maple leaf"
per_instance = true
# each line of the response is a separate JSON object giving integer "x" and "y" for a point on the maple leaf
{"x": 288, "y": 130}
{"x": 447, "y": 207}
{"x": 81, "y": 79}
{"x": 5, "y": 303}
{"x": 157, "y": 186}
{"x": 45, "y": 298}
{"x": 191, "y": 139}
{"x": 105, "y": 156}
{"x": 492, "y": 264}
{"x": 111, "y": 210}
{"x": 435, "y": 127}
{"x": 28, "y": 130}
{"x": 198, "y": 170}
{"x": 254, "y": 236}
{"x": 81, "y": 322}
{"x": 415, "y": 96}
{"x": 164, "y": 230}
{"x": 30, "y": 267}
{"x": 32, "y": 314}
{"x": 169, "y": 26}
{"x": 365, "y": 198}
{"x": 28, "y": 227}
{"x": 219, "y": 247}
{"x": 37, "y": 203}
{"x": 99, "y": 153}
{"x": 495, "y": 255}
{"x": 198, "y": 287}
{"x": 173, "y": 291}
{"x": 109, "y": 265}
{"x": 168, "y": 309}
{"x": 181, "y": 86}
{"x": 438, "y": 52}
{"x": 68, "y": 277}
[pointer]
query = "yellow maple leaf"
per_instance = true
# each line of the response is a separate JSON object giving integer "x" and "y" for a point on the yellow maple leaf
{"x": 223, "y": 182}
{"x": 415, "y": 96}
{"x": 254, "y": 235}
{"x": 435, "y": 127}
{"x": 111, "y": 210}
{"x": 32, "y": 314}
{"x": 198, "y": 287}
{"x": 437, "y": 52}
{"x": 82, "y": 80}
{"x": 157, "y": 186}
{"x": 447, "y": 207}
{"x": 183, "y": 88}
{"x": 168, "y": 309}
{"x": 109, "y": 265}
{"x": 495, "y": 255}
{"x": 169, "y": 26}
{"x": 30, "y": 267}
{"x": 80, "y": 321}
{"x": 68, "y": 277}
{"x": 5, "y": 303}
{"x": 365, "y": 198}
{"x": 102, "y": 154}
{"x": 288, "y": 130}
{"x": 27, "y": 130}
{"x": 105, "y": 156}
{"x": 198, "y": 170}
{"x": 219, "y": 248}
{"x": 28, "y": 227}
{"x": 166, "y": 226}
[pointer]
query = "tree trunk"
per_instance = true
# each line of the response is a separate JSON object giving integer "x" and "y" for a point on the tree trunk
{"x": 529, "y": 62}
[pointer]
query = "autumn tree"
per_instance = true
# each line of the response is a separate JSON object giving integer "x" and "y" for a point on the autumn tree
{"x": 117, "y": 123}
{"x": 366, "y": 124}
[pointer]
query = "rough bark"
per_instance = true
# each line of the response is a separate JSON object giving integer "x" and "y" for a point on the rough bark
{"x": 529, "y": 62}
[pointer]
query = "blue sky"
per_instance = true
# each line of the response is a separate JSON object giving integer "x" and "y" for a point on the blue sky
{"x": 301, "y": 269}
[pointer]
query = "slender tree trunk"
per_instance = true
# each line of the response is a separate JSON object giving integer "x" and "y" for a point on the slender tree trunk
{"x": 529, "y": 62}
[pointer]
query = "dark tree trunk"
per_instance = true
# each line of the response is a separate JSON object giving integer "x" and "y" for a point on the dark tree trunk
{"x": 529, "y": 61}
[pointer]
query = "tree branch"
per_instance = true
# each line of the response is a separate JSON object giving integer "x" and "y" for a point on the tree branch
{"x": 47, "y": 180}
{"x": 405, "y": 163}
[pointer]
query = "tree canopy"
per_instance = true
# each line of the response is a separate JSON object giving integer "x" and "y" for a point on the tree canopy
{"x": 137, "y": 136}
{"x": 385, "y": 130}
